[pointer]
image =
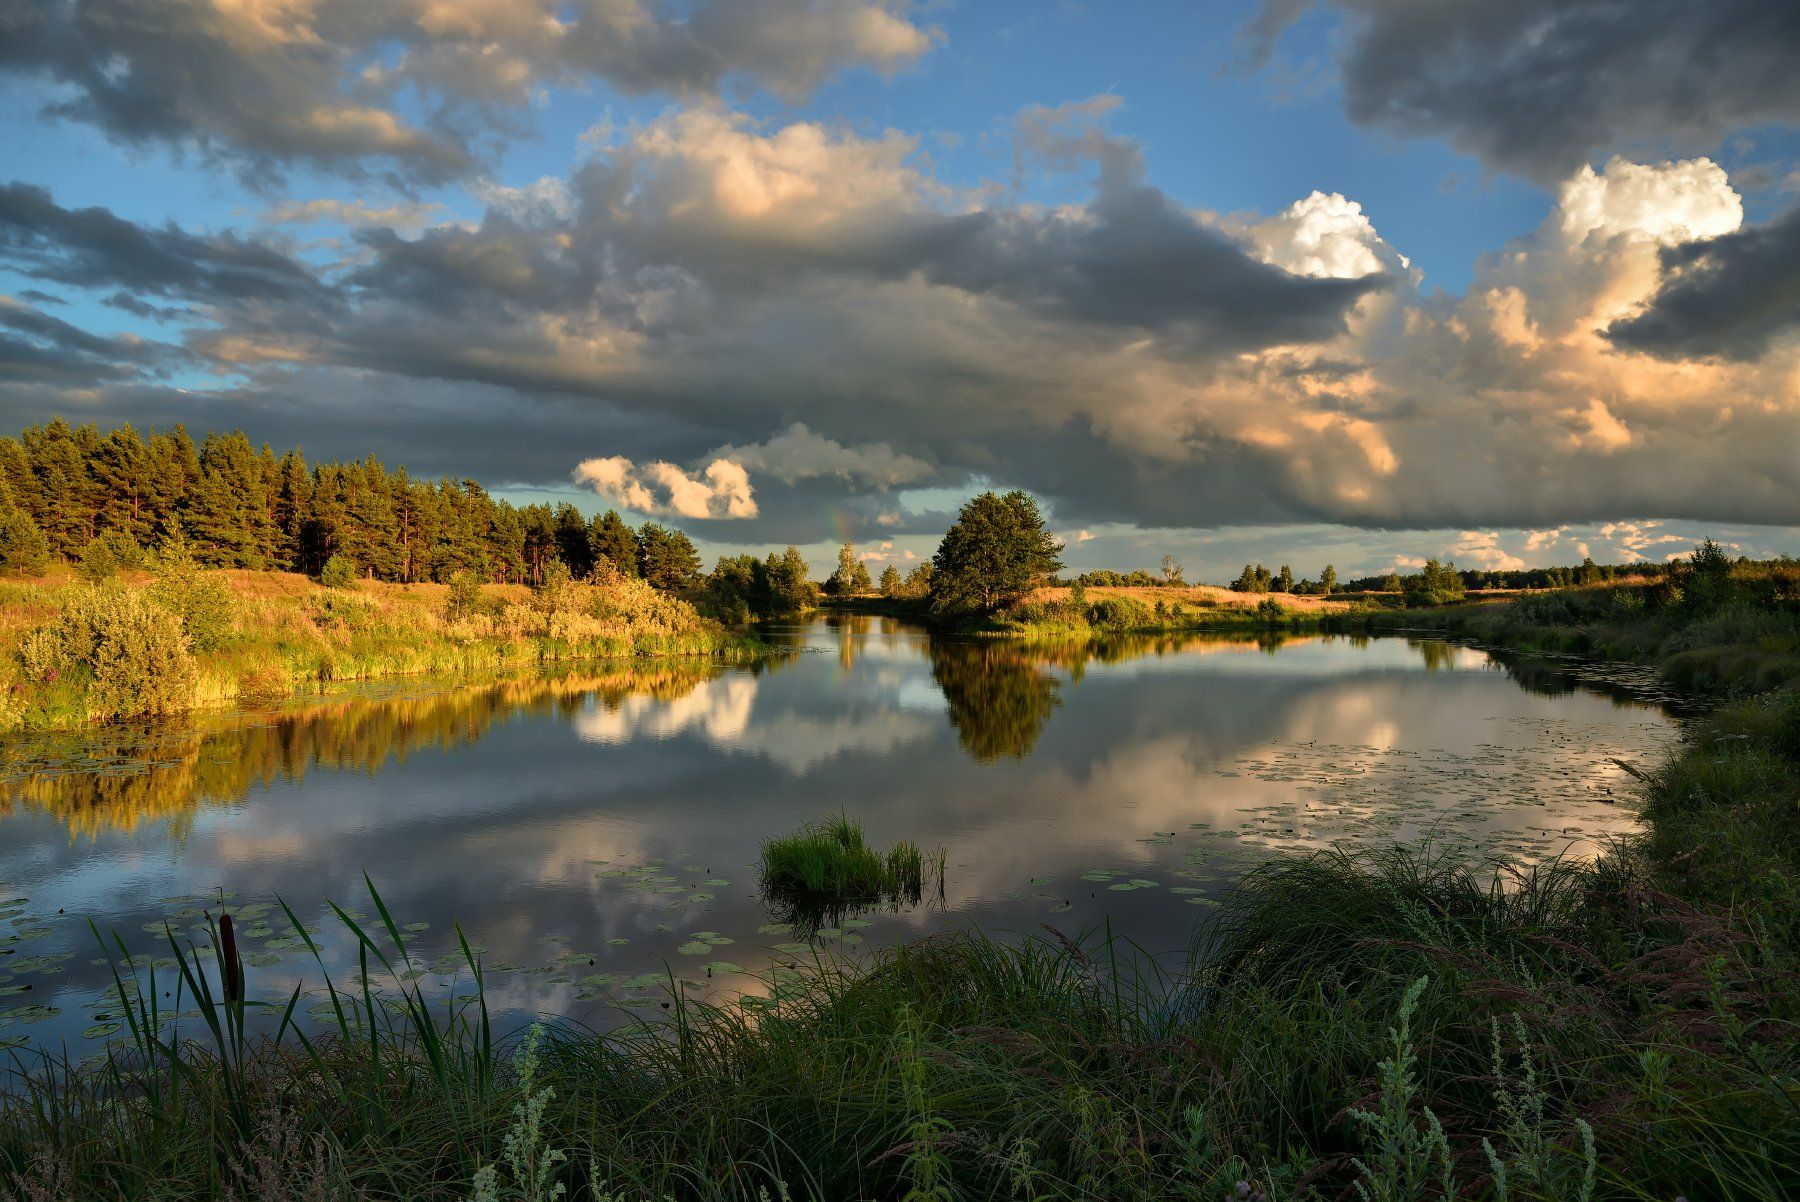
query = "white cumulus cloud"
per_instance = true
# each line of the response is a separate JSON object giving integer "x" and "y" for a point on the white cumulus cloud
{"x": 1665, "y": 202}
{"x": 719, "y": 490}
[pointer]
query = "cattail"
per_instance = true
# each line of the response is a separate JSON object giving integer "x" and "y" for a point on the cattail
{"x": 231, "y": 969}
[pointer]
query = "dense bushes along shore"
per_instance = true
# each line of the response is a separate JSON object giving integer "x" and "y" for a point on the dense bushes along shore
{"x": 1390, "y": 1024}
{"x": 166, "y": 640}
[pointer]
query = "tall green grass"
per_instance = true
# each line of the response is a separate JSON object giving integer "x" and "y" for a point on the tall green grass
{"x": 826, "y": 872}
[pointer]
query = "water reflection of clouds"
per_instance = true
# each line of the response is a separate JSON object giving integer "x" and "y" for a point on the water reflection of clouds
{"x": 725, "y": 714}
{"x": 505, "y": 807}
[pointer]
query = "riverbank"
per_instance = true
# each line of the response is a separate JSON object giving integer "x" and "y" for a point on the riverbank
{"x": 1624, "y": 1030}
{"x": 140, "y": 645}
{"x": 1747, "y": 644}
{"x": 1064, "y": 613}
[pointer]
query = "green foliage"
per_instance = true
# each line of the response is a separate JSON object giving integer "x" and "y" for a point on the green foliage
{"x": 667, "y": 558}
{"x": 890, "y": 581}
{"x": 1436, "y": 584}
{"x": 131, "y": 654}
{"x": 851, "y": 576}
{"x": 465, "y": 595}
{"x": 24, "y": 551}
{"x": 1409, "y": 1155}
{"x": 201, "y": 599}
{"x": 997, "y": 551}
{"x": 742, "y": 587}
{"x": 610, "y": 539}
{"x": 555, "y": 591}
{"x": 530, "y": 1162}
{"x": 1255, "y": 580}
{"x": 339, "y": 571}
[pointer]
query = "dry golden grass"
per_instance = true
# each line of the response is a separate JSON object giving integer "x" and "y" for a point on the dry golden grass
{"x": 1197, "y": 594}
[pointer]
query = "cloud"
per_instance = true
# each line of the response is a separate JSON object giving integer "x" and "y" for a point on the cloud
{"x": 1669, "y": 203}
{"x": 266, "y": 85}
{"x": 1324, "y": 236}
{"x": 38, "y": 349}
{"x": 719, "y": 490}
{"x": 412, "y": 215}
{"x": 1731, "y": 298}
{"x": 92, "y": 248}
{"x": 799, "y": 454}
{"x": 808, "y": 305}
{"x": 1539, "y": 87}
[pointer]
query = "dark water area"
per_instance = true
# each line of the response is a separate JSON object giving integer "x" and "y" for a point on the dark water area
{"x": 596, "y": 834}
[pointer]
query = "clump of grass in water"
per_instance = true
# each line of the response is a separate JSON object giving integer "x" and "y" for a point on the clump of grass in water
{"x": 827, "y": 871}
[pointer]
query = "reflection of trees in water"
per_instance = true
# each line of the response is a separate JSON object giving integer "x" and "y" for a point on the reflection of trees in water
{"x": 120, "y": 779}
{"x": 998, "y": 695}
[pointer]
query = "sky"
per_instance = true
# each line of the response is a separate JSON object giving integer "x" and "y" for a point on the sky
{"x": 1356, "y": 281}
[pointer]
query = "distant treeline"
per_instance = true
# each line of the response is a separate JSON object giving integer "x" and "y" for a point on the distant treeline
{"x": 73, "y": 492}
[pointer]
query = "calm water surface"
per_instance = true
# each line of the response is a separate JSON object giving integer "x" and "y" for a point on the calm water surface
{"x": 597, "y": 834}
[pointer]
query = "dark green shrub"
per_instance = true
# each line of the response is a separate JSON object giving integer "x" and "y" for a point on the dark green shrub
{"x": 339, "y": 571}
{"x": 201, "y": 599}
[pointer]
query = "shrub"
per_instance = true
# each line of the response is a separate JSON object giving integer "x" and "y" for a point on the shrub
{"x": 465, "y": 595}
{"x": 1120, "y": 613}
{"x": 98, "y": 562}
{"x": 132, "y": 652}
{"x": 201, "y": 599}
{"x": 339, "y": 571}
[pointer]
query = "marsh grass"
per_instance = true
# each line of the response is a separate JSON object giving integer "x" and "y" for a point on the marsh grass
{"x": 826, "y": 872}
{"x": 1571, "y": 1031}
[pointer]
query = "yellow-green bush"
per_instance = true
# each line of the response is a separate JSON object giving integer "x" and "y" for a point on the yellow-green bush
{"x": 131, "y": 654}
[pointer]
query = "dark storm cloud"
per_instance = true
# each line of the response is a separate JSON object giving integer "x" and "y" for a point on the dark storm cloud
{"x": 1140, "y": 261}
{"x": 94, "y": 248}
{"x": 38, "y": 349}
{"x": 1730, "y": 297}
{"x": 1540, "y": 87}
{"x": 264, "y": 86}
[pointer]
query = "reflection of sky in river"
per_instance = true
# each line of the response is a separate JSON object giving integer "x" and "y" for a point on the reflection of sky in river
{"x": 528, "y": 811}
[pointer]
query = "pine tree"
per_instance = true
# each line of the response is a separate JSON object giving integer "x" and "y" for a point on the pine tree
{"x": 666, "y": 558}
{"x": 62, "y": 497}
{"x": 572, "y": 543}
{"x": 120, "y": 469}
{"x": 610, "y": 538}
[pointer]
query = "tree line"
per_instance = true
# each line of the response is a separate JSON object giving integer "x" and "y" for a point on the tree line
{"x": 70, "y": 491}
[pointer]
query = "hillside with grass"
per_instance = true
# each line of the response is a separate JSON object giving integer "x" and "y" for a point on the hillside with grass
{"x": 173, "y": 636}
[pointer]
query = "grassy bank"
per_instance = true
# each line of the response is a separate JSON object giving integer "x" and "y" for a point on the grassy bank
{"x": 1394, "y": 1025}
{"x": 1737, "y": 634}
{"x": 148, "y": 644}
{"x": 1063, "y": 612}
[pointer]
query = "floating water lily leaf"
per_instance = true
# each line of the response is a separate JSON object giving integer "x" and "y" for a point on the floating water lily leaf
{"x": 101, "y": 1030}
{"x": 695, "y": 947}
{"x": 723, "y": 966}
{"x": 262, "y": 959}
{"x": 415, "y": 927}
